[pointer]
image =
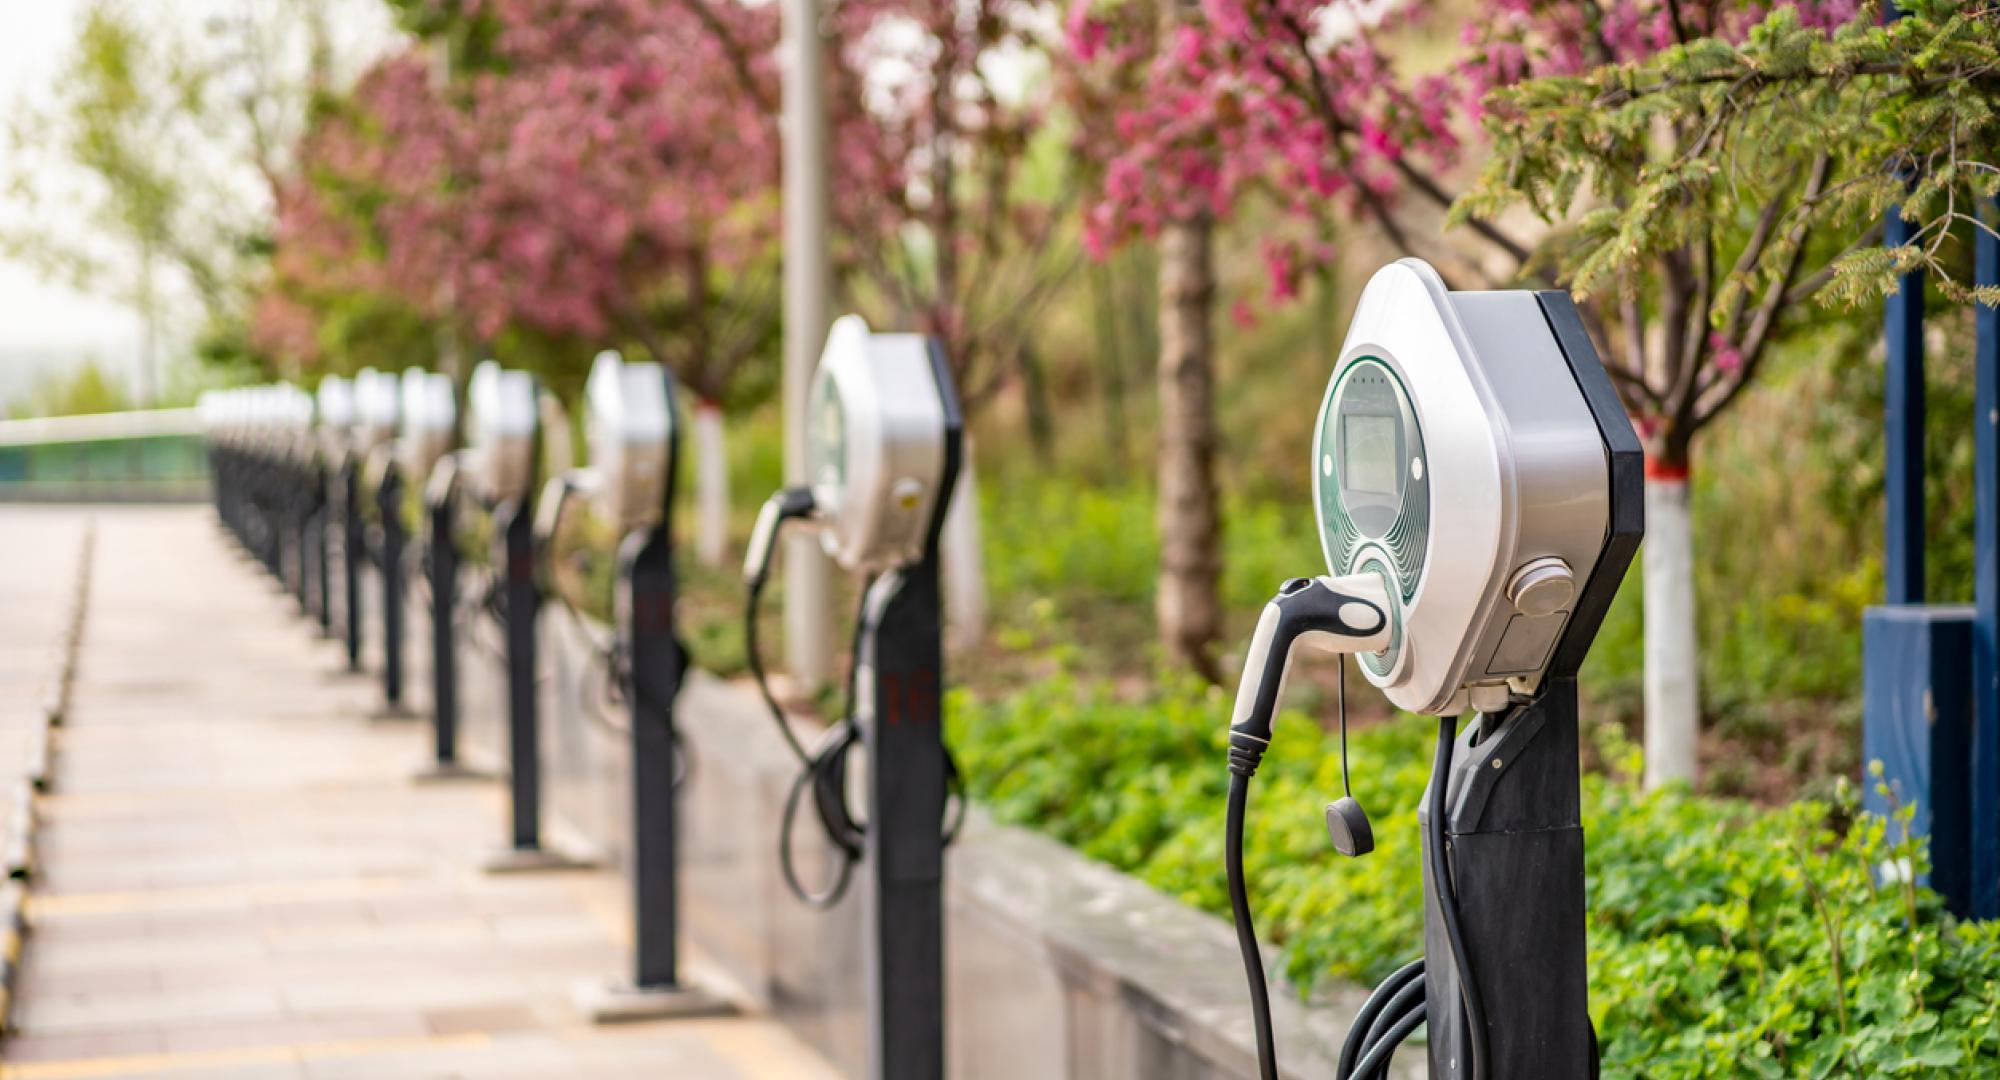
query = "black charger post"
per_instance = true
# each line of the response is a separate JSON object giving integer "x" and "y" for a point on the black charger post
{"x": 441, "y": 497}
{"x": 884, "y": 446}
{"x": 389, "y": 566}
{"x": 517, "y": 557}
{"x": 634, "y": 438}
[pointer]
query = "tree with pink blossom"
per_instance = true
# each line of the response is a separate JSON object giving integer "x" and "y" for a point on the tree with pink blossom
{"x": 593, "y": 173}
{"x": 953, "y": 202}
{"x": 1694, "y": 171}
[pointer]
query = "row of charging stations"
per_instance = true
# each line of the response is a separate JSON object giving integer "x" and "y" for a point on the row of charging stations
{"x": 885, "y": 451}
{"x": 268, "y": 488}
{"x": 362, "y": 443}
{"x": 1477, "y": 493}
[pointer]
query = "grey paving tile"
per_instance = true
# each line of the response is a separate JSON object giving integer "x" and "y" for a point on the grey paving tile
{"x": 240, "y": 882}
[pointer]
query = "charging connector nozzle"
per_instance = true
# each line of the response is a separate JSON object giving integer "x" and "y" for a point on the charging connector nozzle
{"x": 785, "y": 505}
{"x": 1345, "y": 615}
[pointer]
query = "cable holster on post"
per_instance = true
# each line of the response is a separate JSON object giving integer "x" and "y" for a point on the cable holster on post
{"x": 1512, "y": 831}
{"x": 441, "y": 548}
{"x": 389, "y": 563}
{"x": 353, "y": 554}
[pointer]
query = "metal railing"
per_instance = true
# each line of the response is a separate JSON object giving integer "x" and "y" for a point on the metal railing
{"x": 149, "y": 456}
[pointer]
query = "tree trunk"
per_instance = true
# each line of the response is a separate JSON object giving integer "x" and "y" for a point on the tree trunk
{"x": 1188, "y": 604}
{"x": 963, "y": 555}
{"x": 1035, "y": 400}
{"x": 711, "y": 486}
{"x": 1673, "y": 688}
{"x": 1111, "y": 364}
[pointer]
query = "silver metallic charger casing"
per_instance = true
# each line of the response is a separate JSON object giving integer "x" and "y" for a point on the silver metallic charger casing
{"x": 500, "y": 418}
{"x": 376, "y": 404}
{"x": 875, "y": 445}
{"x": 1456, "y": 458}
{"x": 429, "y": 422}
{"x": 335, "y": 415}
{"x": 628, "y": 426}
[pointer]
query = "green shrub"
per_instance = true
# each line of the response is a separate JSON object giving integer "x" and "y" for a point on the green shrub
{"x": 1713, "y": 924}
{"x": 1070, "y": 540}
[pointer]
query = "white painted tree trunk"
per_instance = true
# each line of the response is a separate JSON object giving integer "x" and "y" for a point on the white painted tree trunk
{"x": 1673, "y": 689}
{"x": 711, "y": 486}
{"x": 964, "y": 560}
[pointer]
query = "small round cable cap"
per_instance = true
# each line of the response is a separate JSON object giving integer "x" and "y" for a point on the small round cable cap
{"x": 1347, "y": 824}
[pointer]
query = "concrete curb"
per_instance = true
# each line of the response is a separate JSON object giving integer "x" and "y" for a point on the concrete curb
{"x": 18, "y": 851}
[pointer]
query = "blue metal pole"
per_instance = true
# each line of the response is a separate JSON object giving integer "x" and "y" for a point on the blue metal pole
{"x": 1986, "y": 586}
{"x": 1903, "y": 331}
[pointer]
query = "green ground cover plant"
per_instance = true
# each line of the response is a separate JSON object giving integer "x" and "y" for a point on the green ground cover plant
{"x": 1726, "y": 939}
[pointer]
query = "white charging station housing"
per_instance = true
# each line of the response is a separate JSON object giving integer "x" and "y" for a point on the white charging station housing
{"x": 1457, "y": 459}
{"x": 875, "y": 445}
{"x": 294, "y": 409}
{"x": 500, "y": 418}
{"x": 429, "y": 419}
{"x": 376, "y": 404}
{"x": 629, "y": 423}
{"x": 335, "y": 415}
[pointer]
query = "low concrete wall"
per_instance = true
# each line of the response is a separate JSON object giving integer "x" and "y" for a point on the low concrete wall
{"x": 1058, "y": 967}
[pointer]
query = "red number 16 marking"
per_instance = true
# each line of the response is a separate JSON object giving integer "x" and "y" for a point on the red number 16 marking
{"x": 907, "y": 699}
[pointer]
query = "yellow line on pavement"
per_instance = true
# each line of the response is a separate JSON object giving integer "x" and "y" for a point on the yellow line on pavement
{"x": 297, "y": 1053}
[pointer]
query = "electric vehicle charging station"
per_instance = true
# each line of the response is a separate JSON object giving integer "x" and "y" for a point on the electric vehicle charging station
{"x": 337, "y": 421}
{"x": 430, "y": 427}
{"x": 503, "y": 426}
{"x": 1478, "y": 490}
{"x": 254, "y": 444}
{"x": 293, "y": 415}
{"x": 319, "y": 484}
{"x": 377, "y": 406}
{"x": 261, "y": 452}
{"x": 495, "y": 469}
{"x": 633, "y": 439}
{"x": 222, "y": 417}
{"x": 884, "y": 448}
{"x": 235, "y": 469}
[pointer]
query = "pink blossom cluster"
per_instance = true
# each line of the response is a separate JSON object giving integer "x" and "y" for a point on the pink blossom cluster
{"x": 1300, "y": 101}
{"x": 612, "y": 143}
{"x": 929, "y": 140}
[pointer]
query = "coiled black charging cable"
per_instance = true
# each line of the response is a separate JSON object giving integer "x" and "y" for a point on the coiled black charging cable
{"x": 604, "y": 690}
{"x": 1397, "y": 1006}
{"x": 823, "y": 770}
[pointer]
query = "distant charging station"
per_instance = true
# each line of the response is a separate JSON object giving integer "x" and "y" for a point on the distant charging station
{"x": 884, "y": 446}
{"x": 1478, "y": 492}
{"x": 634, "y": 441}
{"x": 377, "y": 404}
{"x": 424, "y": 454}
{"x": 499, "y": 470}
{"x": 337, "y": 418}
{"x": 269, "y": 487}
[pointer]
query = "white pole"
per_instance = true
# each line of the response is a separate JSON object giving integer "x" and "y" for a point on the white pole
{"x": 808, "y": 643}
{"x": 964, "y": 562}
{"x": 1673, "y": 691}
{"x": 711, "y": 486}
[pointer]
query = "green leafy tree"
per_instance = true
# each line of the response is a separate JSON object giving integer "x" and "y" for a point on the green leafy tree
{"x": 1700, "y": 169}
{"x": 1715, "y": 197}
{"x": 149, "y": 170}
{"x": 84, "y": 390}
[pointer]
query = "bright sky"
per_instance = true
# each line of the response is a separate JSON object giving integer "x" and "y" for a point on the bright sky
{"x": 36, "y": 317}
{"x": 46, "y": 325}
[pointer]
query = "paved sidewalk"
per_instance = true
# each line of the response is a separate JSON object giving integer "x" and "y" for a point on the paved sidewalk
{"x": 239, "y": 880}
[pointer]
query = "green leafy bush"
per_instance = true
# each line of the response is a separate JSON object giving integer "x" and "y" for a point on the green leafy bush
{"x": 1725, "y": 940}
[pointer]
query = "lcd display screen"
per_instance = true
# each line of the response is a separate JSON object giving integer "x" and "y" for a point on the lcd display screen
{"x": 1368, "y": 454}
